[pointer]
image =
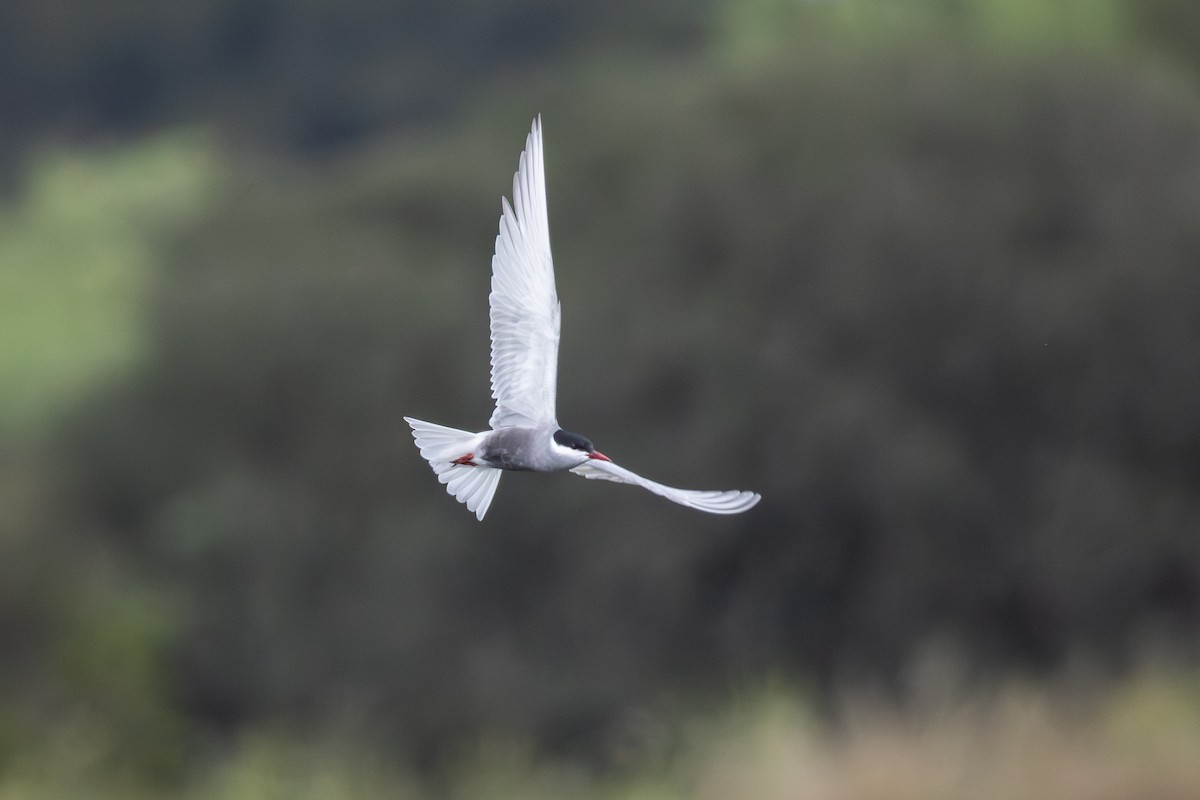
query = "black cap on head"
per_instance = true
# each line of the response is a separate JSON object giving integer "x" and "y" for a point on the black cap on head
{"x": 574, "y": 441}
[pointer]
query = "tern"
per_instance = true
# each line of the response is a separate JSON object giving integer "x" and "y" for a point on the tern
{"x": 525, "y": 313}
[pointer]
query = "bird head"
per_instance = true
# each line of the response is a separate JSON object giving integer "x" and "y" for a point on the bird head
{"x": 581, "y": 444}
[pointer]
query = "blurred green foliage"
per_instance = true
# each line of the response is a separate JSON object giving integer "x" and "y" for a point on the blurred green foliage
{"x": 926, "y": 280}
{"x": 305, "y": 75}
{"x": 1013, "y": 29}
{"x": 311, "y": 76}
{"x": 76, "y": 268}
{"x": 1015, "y": 743}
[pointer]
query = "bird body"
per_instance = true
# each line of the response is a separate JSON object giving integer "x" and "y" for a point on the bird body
{"x": 525, "y": 322}
{"x": 534, "y": 449}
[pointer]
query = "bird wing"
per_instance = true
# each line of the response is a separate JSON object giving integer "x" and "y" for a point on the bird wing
{"x": 524, "y": 304}
{"x": 712, "y": 502}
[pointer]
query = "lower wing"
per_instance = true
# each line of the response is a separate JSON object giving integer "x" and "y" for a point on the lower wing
{"x": 712, "y": 502}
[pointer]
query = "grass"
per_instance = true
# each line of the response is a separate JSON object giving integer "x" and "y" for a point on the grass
{"x": 1136, "y": 741}
{"x": 1019, "y": 743}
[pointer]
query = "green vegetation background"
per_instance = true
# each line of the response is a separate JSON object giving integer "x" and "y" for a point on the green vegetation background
{"x": 926, "y": 275}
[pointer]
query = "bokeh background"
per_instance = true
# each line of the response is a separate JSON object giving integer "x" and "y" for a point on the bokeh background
{"x": 926, "y": 274}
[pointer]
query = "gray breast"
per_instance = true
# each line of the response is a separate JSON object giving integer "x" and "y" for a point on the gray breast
{"x": 526, "y": 449}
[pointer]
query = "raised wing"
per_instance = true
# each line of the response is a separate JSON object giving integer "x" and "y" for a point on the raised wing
{"x": 524, "y": 303}
{"x": 712, "y": 502}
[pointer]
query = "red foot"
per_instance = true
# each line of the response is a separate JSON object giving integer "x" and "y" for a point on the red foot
{"x": 467, "y": 461}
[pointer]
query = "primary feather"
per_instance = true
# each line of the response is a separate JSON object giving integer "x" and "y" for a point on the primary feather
{"x": 524, "y": 302}
{"x": 714, "y": 502}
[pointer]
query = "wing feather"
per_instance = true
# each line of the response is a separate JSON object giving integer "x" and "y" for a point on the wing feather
{"x": 714, "y": 502}
{"x": 525, "y": 315}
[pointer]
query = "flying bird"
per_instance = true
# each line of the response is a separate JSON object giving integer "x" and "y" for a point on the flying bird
{"x": 525, "y": 434}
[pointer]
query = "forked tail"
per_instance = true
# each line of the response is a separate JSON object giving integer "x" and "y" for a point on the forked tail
{"x": 472, "y": 485}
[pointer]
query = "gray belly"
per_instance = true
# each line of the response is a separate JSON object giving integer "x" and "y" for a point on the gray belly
{"x": 526, "y": 449}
